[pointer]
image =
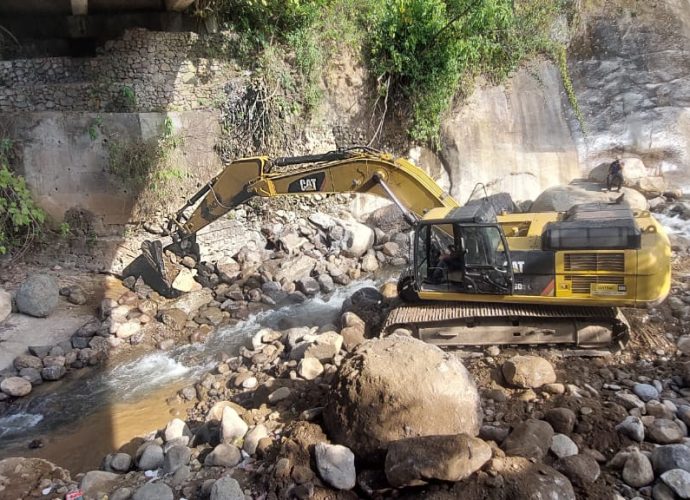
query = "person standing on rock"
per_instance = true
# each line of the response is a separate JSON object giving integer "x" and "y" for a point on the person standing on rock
{"x": 615, "y": 175}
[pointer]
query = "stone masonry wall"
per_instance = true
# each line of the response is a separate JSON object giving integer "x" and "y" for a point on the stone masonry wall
{"x": 165, "y": 71}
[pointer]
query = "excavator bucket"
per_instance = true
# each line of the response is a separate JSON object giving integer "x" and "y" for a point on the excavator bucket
{"x": 155, "y": 268}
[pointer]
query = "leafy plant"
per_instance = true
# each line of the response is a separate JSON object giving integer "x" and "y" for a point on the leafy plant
{"x": 20, "y": 219}
{"x": 65, "y": 230}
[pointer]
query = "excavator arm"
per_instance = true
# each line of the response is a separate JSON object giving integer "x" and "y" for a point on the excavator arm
{"x": 348, "y": 171}
{"x": 356, "y": 170}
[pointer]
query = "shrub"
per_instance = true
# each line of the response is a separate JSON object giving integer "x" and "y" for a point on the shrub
{"x": 20, "y": 219}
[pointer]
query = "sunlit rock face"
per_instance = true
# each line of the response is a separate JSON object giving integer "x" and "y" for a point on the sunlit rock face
{"x": 631, "y": 74}
{"x": 512, "y": 137}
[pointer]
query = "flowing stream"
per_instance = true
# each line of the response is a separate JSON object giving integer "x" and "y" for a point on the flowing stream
{"x": 82, "y": 418}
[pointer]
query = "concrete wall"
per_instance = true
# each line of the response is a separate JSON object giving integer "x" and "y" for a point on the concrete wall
{"x": 65, "y": 159}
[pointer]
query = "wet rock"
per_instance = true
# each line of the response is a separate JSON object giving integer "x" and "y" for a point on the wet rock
{"x": 386, "y": 390}
{"x": 5, "y": 304}
{"x": 637, "y": 471}
{"x": 232, "y": 427}
{"x": 26, "y": 361}
{"x": 226, "y": 488}
{"x": 645, "y": 392}
{"x": 447, "y": 458}
{"x": 367, "y": 303}
{"x": 530, "y": 439}
{"x": 326, "y": 283}
{"x": 664, "y": 431}
{"x": 53, "y": 372}
{"x": 176, "y": 457}
{"x": 672, "y": 456}
{"x": 151, "y": 457}
{"x": 274, "y": 291}
{"x": 97, "y": 483}
{"x": 336, "y": 465}
{"x": 251, "y": 440}
{"x": 308, "y": 286}
{"x": 562, "y": 420}
{"x": 309, "y": 368}
{"x": 15, "y": 386}
{"x": 632, "y": 427}
{"x": 154, "y": 491}
{"x": 562, "y": 446}
{"x": 679, "y": 481}
{"x": 528, "y": 371}
{"x": 37, "y": 296}
{"x": 223, "y": 455}
{"x": 76, "y": 296}
{"x": 582, "y": 470}
{"x": 121, "y": 462}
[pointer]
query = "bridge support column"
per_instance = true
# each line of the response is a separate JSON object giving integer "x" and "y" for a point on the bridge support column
{"x": 80, "y": 7}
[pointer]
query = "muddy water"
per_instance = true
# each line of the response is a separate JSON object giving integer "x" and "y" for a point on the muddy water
{"x": 82, "y": 418}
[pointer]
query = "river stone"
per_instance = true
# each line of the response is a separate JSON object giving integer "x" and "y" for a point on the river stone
{"x": 534, "y": 481}
{"x": 127, "y": 329}
{"x": 121, "y": 462}
{"x": 448, "y": 458}
{"x": 530, "y": 439}
{"x": 176, "y": 457}
{"x": 154, "y": 491}
{"x": 5, "y": 305}
{"x": 37, "y": 296}
{"x": 671, "y": 456}
{"x": 279, "y": 394}
{"x": 637, "y": 471}
{"x": 177, "y": 429}
{"x": 679, "y": 481}
{"x": 49, "y": 361}
{"x": 232, "y": 427}
{"x": 632, "y": 427}
{"x": 26, "y": 361}
{"x": 251, "y": 440}
{"x": 216, "y": 411}
{"x": 32, "y": 375}
{"x": 121, "y": 494}
{"x": 528, "y": 372}
{"x": 336, "y": 465}
{"x": 562, "y": 446}
{"x": 223, "y": 455}
{"x": 582, "y": 470}
{"x": 308, "y": 286}
{"x": 370, "y": 263}
{"x": 385, "y": 392}
{"x": 227, "y": 488}
{"x": 309, "y": 368}
{"x": 151, "y": 458}
{"x": 52, "y": 373}
{"x": 645, "y": 392}
{"x": 97, "y": 483}
{"x": 562, "y": 420}
{"x": 664, "y": 431}
{"x": 15, "y": 386}
{"x": 174, "y": 318}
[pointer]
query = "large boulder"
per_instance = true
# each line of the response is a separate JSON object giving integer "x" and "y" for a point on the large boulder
{"x": 357, "y": 238}
{"x": 396, "y": 388}
{"x": 633, "y": 170}
{"x": 38, "y": 295}
{"x": 528, "y": 372}
{"x": 296, "y": 268}
{"x": 15, "y": 386}
{"x": 367, "y": 303}
{"x": 562, "y": 198}
{"x": 5, "y": 304}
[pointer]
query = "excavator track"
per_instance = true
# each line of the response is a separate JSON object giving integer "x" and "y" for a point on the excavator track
{"x": 477, "y": 324}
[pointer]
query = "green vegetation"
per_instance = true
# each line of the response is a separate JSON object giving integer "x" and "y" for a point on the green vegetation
{"x": 21, "y": 220}
{"x": 422, "y": 53}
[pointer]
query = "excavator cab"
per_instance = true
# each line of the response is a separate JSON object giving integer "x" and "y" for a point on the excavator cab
{"x": 465, "y": 252}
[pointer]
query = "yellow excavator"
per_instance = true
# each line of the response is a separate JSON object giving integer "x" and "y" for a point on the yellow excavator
{"x": 478, "y": 275}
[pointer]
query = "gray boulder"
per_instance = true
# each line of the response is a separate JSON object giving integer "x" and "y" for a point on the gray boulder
{"x": 637, "y": 471}
{"x": 154, "y": 491}
{"x": 223, "y": 455}
{"x": 38, "y": 295}
{"x": 97, "y": 483}
{"x": 448, "y": 458}
{"x": 670, "y": 456}
{"x": 398, "y": 387}
{"x": 151, "y": 457}
{"x": 530, "y": 439}
{"x": 226, "y": 488}
{"x": 336, "y": 465}
{"x": 176, "y": 457}
{"x": 582, "y": 470}
{"x": 562, "y": 198}
{"x": 52, "y": 373}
